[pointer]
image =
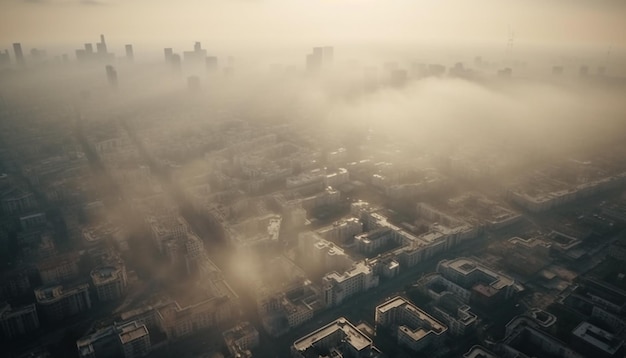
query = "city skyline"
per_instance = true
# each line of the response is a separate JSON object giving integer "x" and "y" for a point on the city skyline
{"x": 271, "y": 22}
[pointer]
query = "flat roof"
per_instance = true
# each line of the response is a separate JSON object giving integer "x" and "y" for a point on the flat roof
{"x": 353, "y": 336}
{"x": 401, "y": 303}
{"x": 466, "y": 266}
{"x": 132, "y": 333}
{"x": 598, "y": 337}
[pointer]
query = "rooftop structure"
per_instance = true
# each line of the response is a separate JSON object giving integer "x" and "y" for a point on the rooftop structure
{"x": 241, "y": 339}
{"x": 126, "y": 340}
{"x": 59, "y": 268}
{"x": 416, "y": 329}
{"x": 110, "y": 281}
{"x": 525, "y": 339}
{"x": 595, "y": 341}
{"x": 339, "y": 336}
{"x": 470, "y": 274}
{"x": 479, "y": 352}
{"x": 339, "y": 286}
{"x": 58, "y": 302}
{"x": 262, "y": 230}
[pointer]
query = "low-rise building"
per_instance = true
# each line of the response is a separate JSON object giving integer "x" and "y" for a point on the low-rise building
{"x": 337, "y": 287}
{"x": 58, "y": 302}
{"x": 525, "y": 339}
{"x": 479, "y": 352}
{"x": 59, "y": 268}
{"x": 415, "y": 329}
{"x": 241, "y": 339}
{"x": 455, "y": 314}
{"x": 487, "y": 285}
{"x": 18, "y": 321}
{"x": 128, "y": 340}
{"x": 593, "y": 341}
{"x": 339, "y": 338}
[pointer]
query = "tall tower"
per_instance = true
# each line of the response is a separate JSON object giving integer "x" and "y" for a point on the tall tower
{"x": 102, "y": 46}
{"x": 111, "y": 75}
{"x": 19, "y": 55}
{"x": 130, "y": 56}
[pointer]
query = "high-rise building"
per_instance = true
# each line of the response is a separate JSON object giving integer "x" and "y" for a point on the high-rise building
{"x": 322, "y": 57}
{"x": 211, "y": 63}
{"x": 110, "y": 281}
{"x": 101, "y": 46}
{"x": 19, "y": 55}
{"x": 130, "y": 56}
{"x": 111, "y": 75}
{"x": 87, "y": 53}
{"x": 196, "y": 56}
{"x": 168, "y": 52}
{"x": 175, "y": 62}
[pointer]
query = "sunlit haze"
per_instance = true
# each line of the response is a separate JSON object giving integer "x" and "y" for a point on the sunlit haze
{"x": 312, "y": 178}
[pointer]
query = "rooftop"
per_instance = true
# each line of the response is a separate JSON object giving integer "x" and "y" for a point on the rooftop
{"x": 351, "y": 335}
{"x": 132, "y": 331}
{"x": 598, "y": 337}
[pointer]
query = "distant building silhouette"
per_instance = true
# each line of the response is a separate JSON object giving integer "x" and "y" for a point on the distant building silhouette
{"x": 111, "y": 75}
{"x": 196, "y": 56}
{"x": 176, "y": 63}
{"x": 315, "y": 60}
{"x": 102, "y": 47}
{"x": 211, "y": 63}
{"x": 130, "y": 56}
{"x": 398, "y": 77}
{"x": 87, "y": 54}
{"x": 5, "y": 58}
{"x": 168, "y": 52}
{"x": 505, "y": 72}
{"x": 478, "y": 61}
{"x": 584, "y": 71}
{"x": 37, "y": 54}
{"x": 19, "y": 55}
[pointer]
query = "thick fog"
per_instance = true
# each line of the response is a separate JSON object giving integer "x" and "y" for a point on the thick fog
{"x": 211, "y": 144}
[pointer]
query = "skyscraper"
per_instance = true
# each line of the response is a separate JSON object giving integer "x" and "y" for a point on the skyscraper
{"x": 130, "y": 56}
{"x": 322, "y": 57}
{"x": 314, "y": 60}
{"x": 111, "y": 75}
{"x": 101, "y": 47}
{"x": 196, "y": 56}
{"x": 19, "y": 55}
{"x": 168, "y": 52}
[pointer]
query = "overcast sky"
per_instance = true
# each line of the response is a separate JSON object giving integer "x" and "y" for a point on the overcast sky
{"x": 587, "y": 23}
